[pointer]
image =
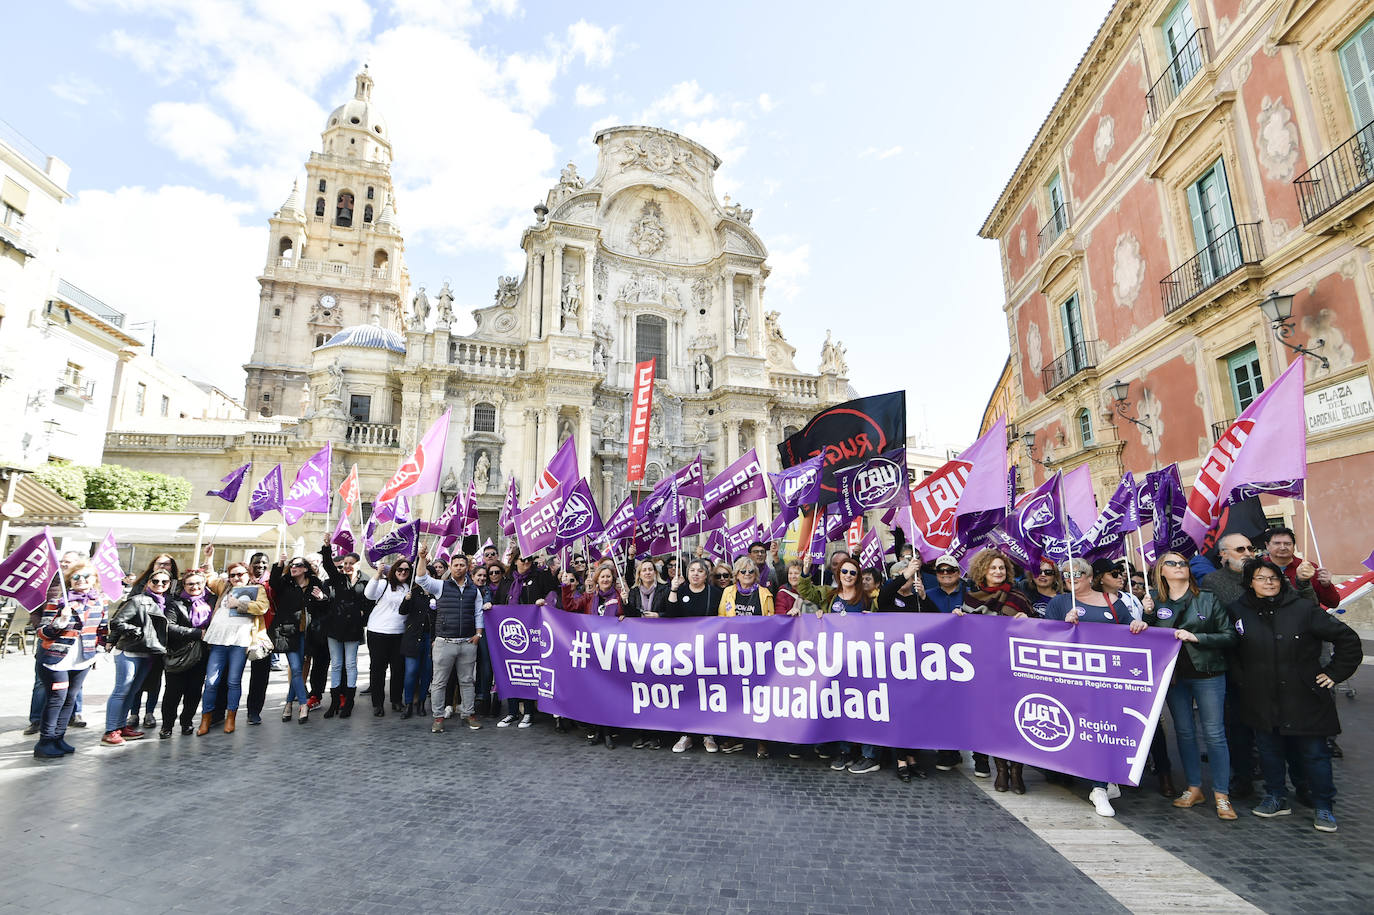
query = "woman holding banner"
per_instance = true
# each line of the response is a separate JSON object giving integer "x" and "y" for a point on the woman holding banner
{"x": 606, "y": 597}
{"x": 846, "y": 596}
{"x": 241, "y": 604}
{"x": 693, "y": 596}
{"x": 1043, "y": 586}
{"x": 68, "y": 629}
{"x": 1205, "y": 629}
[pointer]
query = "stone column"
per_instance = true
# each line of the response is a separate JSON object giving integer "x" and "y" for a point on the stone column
{"x": 729, "y": 310}
{"x": 731, "y": 428}
{"x": 548, "y": 433}
{"x": 531, "y": 452}
{"x": 584, "y": 440}
{"x": 761, "y": 444}
{"x": 584, "y": 321}
{"x": 556, "y": 300}
{"x": 756, "y": 315}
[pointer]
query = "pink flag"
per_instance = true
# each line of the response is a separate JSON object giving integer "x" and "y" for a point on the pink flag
{"x": 562, "y": 469}
{"x": 450, "y": 520}
{"x": 509, "y": 508}
{"x": 1079, "y": 499}
{"x": 983, "y": 500}
{"x": 420, "y": 472}
{"x": 310, "y": 492}
{"x": 1264, "y": 450}
{"x": 349, "y": 491}
{"x": 106, "y": 562}
{"x": 871, "y": 550}
{"x": 25, "y": 573}
{"x": 343, "y": 538}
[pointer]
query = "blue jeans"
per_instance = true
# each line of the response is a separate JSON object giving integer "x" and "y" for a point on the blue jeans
{"x": 1315, "y": 760}
{"x": 226, "y": 662}
{"x": 419, "y": 672}
{"x": 60, "y": 689}
{"x": 295, "y": 691}
{"x": 129, "y": 674}
{"x": 343, "y": 655}
{"x": 1210, "y": 695}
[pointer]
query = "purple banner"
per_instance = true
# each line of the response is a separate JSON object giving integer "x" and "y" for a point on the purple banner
{"x": 310, "y": 492}
{"x": 106, "y": 562}
{"x": 26, "y": 573}
{"x": 1106, "y": 538}
{"x": 509, "y": 508}
{"x": 737, "y": 484}
{"x": 403, "y": 540}
{"x": 621, "y": 524}
{"x": 266, "y": 496}
{"x": 1082, "y": 699}
{"x": 878, "y": 483}
{"x": 691, "y": 480}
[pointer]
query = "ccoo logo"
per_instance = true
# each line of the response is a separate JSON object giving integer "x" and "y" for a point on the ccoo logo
{"x": 1043, "y": 722}
{"x": 514, "y": 635}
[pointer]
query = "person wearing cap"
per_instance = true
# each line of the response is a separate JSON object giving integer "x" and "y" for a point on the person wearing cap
{"x": 950, "y": 589}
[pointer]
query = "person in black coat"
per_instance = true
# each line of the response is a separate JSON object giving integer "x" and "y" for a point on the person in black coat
{"x": 416, "y": 640}
{"x": 188, "y": 614}
{"x": 299, "y": 595}
{"x": 647, "y": 596}
{"x": 1284, "y": 691}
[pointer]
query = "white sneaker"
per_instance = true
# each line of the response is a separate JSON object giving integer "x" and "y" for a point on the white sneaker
{"x": 684, "y": 743}
{"x": 506, "y": 722}
{"x": 448, "y": 711}
{"x": 1113, "y": 791}
{"x": 710, "y": 744}
{"x": 1098, "y": 798}
{"x": 525, "y": 721}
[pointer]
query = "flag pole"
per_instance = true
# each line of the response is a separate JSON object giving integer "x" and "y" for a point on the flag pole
{"x": 1308, "y": 532}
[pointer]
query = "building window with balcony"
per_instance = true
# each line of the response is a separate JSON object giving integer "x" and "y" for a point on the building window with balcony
{"x": 1350, "y": 166}
{"x": 484, "y": 418}
{"x": 1085, "y": 428}
{"x": 1071, "y": 319}
{"x": 140, "y": 397}
{"x": 166, "y": 406}
{"x": 1178, "y": 32}
{"x": 15, "y": 198}
{"x": 360, "y": 408}
{"x": 1214, "y": 223}
{"x": 1243, "y": 374}
{"x": 651, "y": 342}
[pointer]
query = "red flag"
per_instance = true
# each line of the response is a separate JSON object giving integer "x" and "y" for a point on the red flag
{"x": 348, "y": 492}
{"x": 854, "y": 536}
{"x": 640, "y": 409}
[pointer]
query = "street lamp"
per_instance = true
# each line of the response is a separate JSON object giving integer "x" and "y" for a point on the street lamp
{"x": 1028, "y": 443}
{"x": 1278, "y": 310}
{"x": 1120, "y": 391}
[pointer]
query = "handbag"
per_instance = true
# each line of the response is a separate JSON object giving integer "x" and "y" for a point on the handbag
{"x": 259, "y": 645}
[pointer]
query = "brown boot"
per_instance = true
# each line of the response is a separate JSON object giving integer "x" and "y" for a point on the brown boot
{"x": 1166, "y": 786}
{"x": 1014, "y": 775}
{"x": 229, "y": 721}
{"x": 1224, "y": 809}
{"x": 1000, "y": 783}
{"x": 204, "y": 725}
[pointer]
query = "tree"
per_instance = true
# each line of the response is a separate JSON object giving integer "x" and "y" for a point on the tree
{"x": 67, "y": 480}
{"x": 112, "y": 487}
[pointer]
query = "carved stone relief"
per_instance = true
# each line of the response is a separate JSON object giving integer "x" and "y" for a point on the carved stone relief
{"x": 1276, "y": 139}
{"x": 507, "y": 290}
{"x": 1128, "y": 270}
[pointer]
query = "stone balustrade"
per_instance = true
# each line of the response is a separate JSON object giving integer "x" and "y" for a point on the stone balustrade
{"x": 486, "y": 358}
{"x": 796, "y": 387}
{"x": 379, "y": 435}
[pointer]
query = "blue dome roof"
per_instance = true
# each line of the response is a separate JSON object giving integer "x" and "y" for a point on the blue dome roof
{"x": 368, "y": 336}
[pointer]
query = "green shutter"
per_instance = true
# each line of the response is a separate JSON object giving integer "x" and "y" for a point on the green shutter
{"x": 1247, "y": 382}
{"x": 1072, "y": 320}
{"x": 1357, "y": 63}
{"x": 1057, "y": 204}
{"x": 1195, "y": 214}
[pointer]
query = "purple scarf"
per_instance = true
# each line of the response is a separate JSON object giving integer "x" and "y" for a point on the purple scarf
{"x": 517, "y": 585}
{"x": 200, "y": 610}
{"x": 604, "y": 598}
{"x": 742, "y": 591}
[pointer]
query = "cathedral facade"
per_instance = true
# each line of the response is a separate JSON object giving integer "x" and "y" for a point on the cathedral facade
{"x": 639, "y": 261}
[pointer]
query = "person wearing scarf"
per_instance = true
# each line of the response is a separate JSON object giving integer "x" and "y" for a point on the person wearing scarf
{"x": 69, "y": 629}
{"x": 606, "y": 598}
{"x": 188, "y": 614}
{"x": 139, "y": 632}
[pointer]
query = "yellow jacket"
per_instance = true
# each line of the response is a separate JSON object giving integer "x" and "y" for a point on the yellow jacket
{"x": 727, "y": 601}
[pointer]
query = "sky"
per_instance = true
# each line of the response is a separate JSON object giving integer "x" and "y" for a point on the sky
{"x": 870, "y": 140}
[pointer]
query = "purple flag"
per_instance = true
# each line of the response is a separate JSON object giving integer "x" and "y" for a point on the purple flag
{"x": 621, "y": 524}
{"x": 876, "y": 484}
{"x": 25, "y": 573}
{"x": 1168, "y": 508}
{"x": 509, "y": 508}
{"x": 449, "y": 522}
{"x": 402, "y": 541}
{"x": 343, "y": 538}
{"x": 310, "y": 492}
{"x": 775, "y": 531}
{"x": 537, "y": 526}
{"x": 470, "y": 527}
{"x": 799, "y": 485}
{"x": 579, "y": 517}
{"x": 715, "y": 544}
{"x": 691, "y": 479}
{"x": 420, "y": 473}
{"x": 1036, "y": 527}
{"x": 446, "y": 549}
{"x": 661, "y": 506}
{"x": 871, "y": 551}
{"x": 737, "y": 484}
{"x": 1038, "y": 691}
{"x": 106, "y": 562}
{"x": 738, "y": 538}
{"x": 695, "y": 521}
{"x": 983, "y": 497}
{"x": 562, "y": 469}
{"x": 1106, "y": 538}
{"x": 230, "y": 491}
{"x": 1079, "y": 499}
{"x": 267, "y": 495}
{"x": 1264, "y": 450}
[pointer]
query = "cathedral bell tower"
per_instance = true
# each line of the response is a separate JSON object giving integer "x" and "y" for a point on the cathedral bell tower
{"x": 335, "y": 257}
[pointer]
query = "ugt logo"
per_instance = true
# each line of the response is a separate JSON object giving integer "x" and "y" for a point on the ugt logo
{"x": 514, "y": 635}
{"x": 875, "y": 485}
{"x": 1043, "y": 722}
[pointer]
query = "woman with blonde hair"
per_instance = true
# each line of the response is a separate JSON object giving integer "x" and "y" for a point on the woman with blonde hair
{"x": 67, "y": 628}
{"x": 239, "y": 608}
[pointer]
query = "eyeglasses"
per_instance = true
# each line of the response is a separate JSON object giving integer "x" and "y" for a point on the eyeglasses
{"x": 946, "y": 570}
{"x": 1073, "y": 574}
{"x": 238, "y": 574}
{"x": 298, "y": 565}
{"x": 1176, "y": 563}
{"x": 753, "y": 572}
{"x": 1044, "y": 572}
{"x": 1115, "y": 573}
{"x": 1265, "y": 579}
{"x": 402, "y": 568}
{"x": 81, "y": 575}
{"x": 850, "y": 572}
{"x": 579, "y": 562}
{"x": 1242, "y": 549}
{"x": 724, "y": 575}
{"x": 160, "y": 581}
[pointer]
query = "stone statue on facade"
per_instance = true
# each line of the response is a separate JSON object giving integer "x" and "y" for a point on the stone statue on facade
{"x": 445, "y": 305}
{"x": 703, "y": 373}
{"x": 481, "y": 471}
{"x": 507, "y": 290}
{"x": 610, "y": 426}
{"x": 569, "y": 177}
{"x": 741, "y": 317}
{"x": 565, "y": 430}
{"x": 572, "y": 300}
{"x": 648, "y": 234}
{"x": 600, "y": 358}
{"x": 331, "y": 389}
{"x": 772, "y": 327}
{"x": 827, "y": 354}
{"x": 420, "y": 308}
{"x": 735, "y": 211}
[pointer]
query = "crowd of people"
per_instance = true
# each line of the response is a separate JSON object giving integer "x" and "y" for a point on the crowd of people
{"x": 1252, "y": 685}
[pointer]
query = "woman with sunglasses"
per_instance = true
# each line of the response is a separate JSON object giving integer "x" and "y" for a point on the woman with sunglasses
{"x": 138, "y": 631}
{"x": 299, "y": 595}
{"x": 605, "y": 596}
{"x": 151, "y": 687}
{"x": 240, "y": 606}
{"x": 380, "y": 607}
{"x": 69, "y": 629}
{"x": 187, "y": 616}
{"x": 746, "y": 597}
{"x": 695, "y": 595}
{"x": 413, "y": 605}
{"x": 1042, "y": 587}
{"x": 497, "y": 581}
{"x": 1284, "y": 689}
{"x": 1205, "y": 629}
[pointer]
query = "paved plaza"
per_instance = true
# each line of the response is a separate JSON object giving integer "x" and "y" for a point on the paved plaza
{"x": 378, "y": 815}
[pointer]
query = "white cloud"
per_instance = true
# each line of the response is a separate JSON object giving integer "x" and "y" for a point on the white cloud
{"x": 790, "y": 260}
{"x": 684, "y": 100}
{"x": 192, "y": 132}
{"x": 588, "y": 96}
{"x": 610, "y": 120}
{"x": 720, "y": 135}
{"x": 532, "y": 79}
{"x": 205, "y": 299}
{"x": 595, "y": 45}
{"x": 874, "y": 152}
{"x": 76, "y": 89}
{"x": 766, "y": 103}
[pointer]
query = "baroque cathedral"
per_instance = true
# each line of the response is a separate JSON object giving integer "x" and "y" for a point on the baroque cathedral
{"x": 639, "y": 261}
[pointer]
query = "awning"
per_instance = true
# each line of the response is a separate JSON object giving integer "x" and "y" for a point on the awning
{"x": 42, "y": 505}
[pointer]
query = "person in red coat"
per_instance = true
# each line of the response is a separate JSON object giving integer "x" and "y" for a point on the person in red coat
{"x": 1281, "y": 545}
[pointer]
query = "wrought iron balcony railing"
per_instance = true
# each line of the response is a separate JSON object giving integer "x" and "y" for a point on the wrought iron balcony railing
{"x": 1233, "y": 249}
{"x": 1219, "y": 429}
{"x": 1344, "y": 171}
{"x": 1055, "y": 227}
{"x": 1180, "y": 71}
{"x": 1080, "y": 357}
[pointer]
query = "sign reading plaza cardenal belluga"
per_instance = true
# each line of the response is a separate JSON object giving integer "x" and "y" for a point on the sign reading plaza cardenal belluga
{"x": 1079, "y": 699}
{"x": 1341, "y": 404}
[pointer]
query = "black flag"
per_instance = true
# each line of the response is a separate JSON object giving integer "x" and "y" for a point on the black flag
{"x": 848, "y": 433}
